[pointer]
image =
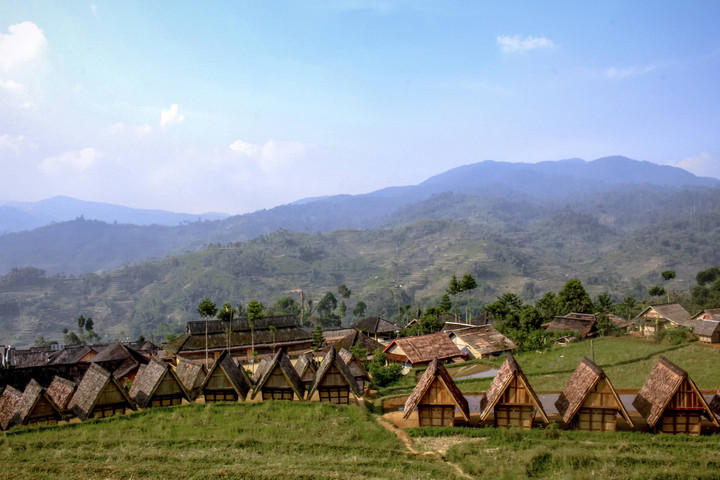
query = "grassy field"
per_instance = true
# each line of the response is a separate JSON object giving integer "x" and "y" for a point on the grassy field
{"x": 272, "y": 440}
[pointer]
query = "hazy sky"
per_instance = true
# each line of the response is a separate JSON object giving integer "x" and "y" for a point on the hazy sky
{"x": 201, "y": 106}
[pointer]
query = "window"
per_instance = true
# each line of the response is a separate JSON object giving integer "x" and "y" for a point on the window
{"x": 597, "y": 419}
{"x": 436, "y": 415}
{"x": 338, "y": 395}
{"x": 514, "y": 415}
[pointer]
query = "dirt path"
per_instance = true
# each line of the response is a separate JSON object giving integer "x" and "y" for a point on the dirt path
{"x": 405, "y": 439}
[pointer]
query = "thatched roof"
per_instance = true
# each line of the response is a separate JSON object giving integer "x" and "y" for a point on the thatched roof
{"x": 355, "y": 366}
{"x": 659, "y": 389}
{"x": 305, "y": 367}
{"x": 9, "y": 401}
{"x": 485, "y": 339}
{"x": 241, "y": 325}
{"x": 30, "y": 397}
{"x": 707, "y": 314}
{"x": 375, "y": 325}
{"x": 260, "y": 370}
{"x": 618, "y": 321}
{"x": 290, "y": 335}
{"x": 112, "y": 352}
{"x": 706, "y": 328}
{"x": 191, "y": 374}
{"x": 509, "y": 370}
{"x": 332, "y": 358}
{"x": 237, "y": 376}
{"x": 148, "y": 380}
{"x": 352, "y": 339}
{"x": 282, "y": 361}
{"x": 72, "y": 354}
{"x": 32, "y": 357}
{"x": 581, "y": 382}
{"x": 583, "y": 324}
{"x": 92, "y": 384}
{"x": 61, "y": 391}
{"x": 424, "y": 348}
{"x": 436, "y": 371}
{"x": 672, "y": 312}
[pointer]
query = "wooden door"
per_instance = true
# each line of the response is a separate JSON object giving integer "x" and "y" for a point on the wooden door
{"x": 436, "y": 415}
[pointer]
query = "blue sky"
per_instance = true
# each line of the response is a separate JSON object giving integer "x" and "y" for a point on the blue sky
{"x": 206, "y": 106}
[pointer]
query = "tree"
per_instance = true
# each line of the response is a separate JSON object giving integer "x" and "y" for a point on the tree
{"x": 254, "y": 312}
{"x": 381, "y": 373}
{"x": 359, "y": 309}
{"x": 344, "y": 291}
{"x": 89, "y": 324}
{"x": 317, "y": 337}
{"x": 628, "y": 306}
{"x": 574, "y": 298}
{"x": 656, "y": 291}
{"x": 81, "y": 322}
{"x": 71, "y": 338}
{"x": 325, "y": 310}
{"x": 41, "y": 342}
{"x": 604, "y": 303}
{"x": 226, "y": 315}
{"x": 506, "y": 310}
{"x": 454, "y": 286}
{"x": 286, "y": 306}
{"x": 547, "y": 306}
{"x": 445, "y": 304}
{"x": 668, "y": 275}
{"x": 342, "y": 309}
{"x": 359, "y": 353}
{"x": 467, "y": 283}
{"x": 206, "y": 309}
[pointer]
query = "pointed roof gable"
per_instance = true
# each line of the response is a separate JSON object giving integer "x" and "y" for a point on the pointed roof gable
{"x": 375, "y": 325}
{"x": 673, "y": 312}
{"x": 236, "y": 375}
{"x": 436, "y": 371}
{"x": 659, "y": 389}
{"x": 282, "y": 361}
{"x": 95, "y": 380}
{"x": 356, "y": 368}
{"x": 34, "y": 392}
{"x": 9, "y": 401}
{"x": 191, "y": 374}
{"x": 332, "y": 358}
{"x": 149, "y": 378}
{"x": 424, "y": 348}
{"x": 260, "y": 370}
{"x": 509, "y": 370}
{"x": 581, "y": 382}
{"x": 305, "y": 367}
{"x": 61, "y": 391}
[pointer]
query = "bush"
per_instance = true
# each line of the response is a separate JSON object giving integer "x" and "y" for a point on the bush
{"x": 674, "y": 335}
{"x": 382, "y": 374}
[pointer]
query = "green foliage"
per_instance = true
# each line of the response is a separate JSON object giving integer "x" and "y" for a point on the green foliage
{"x": 454, "y": 286}
{"x": 359, "y": 353}
{"x": 656, "y": 291}
{"x": 317, "y": 337}
{"x": 605, "y": 326}
{"x": 505, "y": 310}
{"x": 383, "y": 374}
{"x": 547, "y": 306}
{"x": 226, "y": 313}
{"x": 706, "y": 294}
{"x": 71, "y": 338}
{"x": 326, "y": 310}
{"x": 468, "y": 283}
{"x": 445, "y": 305}
{"x": 674, "y": 335}
{"x": 342, "y": 310}
{"x": 668, "y": 275}
{"x": 207, "y": 308}
{"x": 254, "y": 312}
{"x": 42, "y": 342}
{"x": 604, "y": 303}
{"x": 344, "y": 291}
{"x": 573, "y": 298}
{"x": 359, "y": 309}
{"x": 286, "y": 306}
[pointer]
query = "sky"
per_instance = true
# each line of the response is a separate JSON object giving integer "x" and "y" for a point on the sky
{"x": 238, "y": 106}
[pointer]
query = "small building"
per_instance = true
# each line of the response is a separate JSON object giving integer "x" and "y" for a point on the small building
{"x": 306, "y": 369}
{"x": 422, "y": 349}
{"x": 436, "y": 398}
{"x": 74, "y": 354}
{"x": 279, "y": 380}
{"x": 361, "y": 376}
{"x": 226, "y": 381}
{"x": 618, "y": 322}
{"x": 61, "y": 391}
{"x": 581, "y": 323}
{"x": 481, "y": 342}
{"x": 666, "y": 315}
{"x": 510, "y": 399}
{"x": 708, "y": 331}
{"x": 670, "y": 401}
{"x": 377, "y": 328}
{"x": 333, "y": 381}
{"x": 706, "y": 314}
{"x": 122, "y": 360}
{"x": 99, "y": 395}
{"x": 192, "y": 375}
{"x": 36, "y": 407}
{"x": 260, "y": 369}
{"x": 589, "y": 400}
{"x": 353, "y": 338}
{"x": 9, "y": 401}
{"x": 157, "y": 385}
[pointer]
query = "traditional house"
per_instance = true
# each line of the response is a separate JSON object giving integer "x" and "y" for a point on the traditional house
{"x": 99, "y": 395}
{"x": 481, "y": 342}
{"x": 656, "y": 317}
{"x": 353, "y": 338}
{"x": 581, "y": 323}
{"x": 122, "y": 360}
{"x": 333, "y": 381}
{"x": 74, "y": 354}
{"x": 226, "y": 381}
{"x": 362, "y": 378}
{"x": 260, "y": 369}
{"x": 191, "y": 374}
{"x": 61, "y": 391}
{"x": 708, "y": 331}
{"x": 589, "y": 401}
{"x": 421, "y": 350}
{"x": 9, "y": 401}
{"x": 436, "y": 398}
{"x": 36, "y": 407}
{"x": 377, "y": 328}
{"x": 279, "y": 380}
{"x": 670, "y": 401}
{"x": 306, "y": 369}
{"x": 706, "y": 314}
{"x": 511, "y": 399}
{"x": 618, "y": 322}
{"x": 157, "y": 385}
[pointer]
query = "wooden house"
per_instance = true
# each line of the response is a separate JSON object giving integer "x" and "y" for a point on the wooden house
{"x": 481, "y": 341}
{"x": 36, "y": 407}
{"x": 306, "y": 369}
{"x": 706, "y": 314}
{"x": 510, "y": 399}
{"x": 61, "y": 391}
{"x": 279, "y": 380}
{"x": 122, "y": 360}
{"x": 715, "y": 403}
{"x": 9, "y": 401}
{"x": 422, "y": 349}
{"x": 157, "y": 385}
{"x": 99, "y": 394}
{"x": 352, "y": 339}
{"x": 581, "y": 323}
{"x": 226, "y": 381}
{"x": 708, "y": 331}
{"x": 589, "y": 400}
{"x": 666, "y": 315}
{"x": 670, "y": 401}
{"x": 362, "y": 378}
{"x": 333, "y": 381}
{"x": 260, "y": 369}
{"x": 192, "y": 375}
{"x": 436, "y": 398}
{"x": 377, "y": 328}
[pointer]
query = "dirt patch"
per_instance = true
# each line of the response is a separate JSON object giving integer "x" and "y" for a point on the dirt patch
{"x": 441, "y": 445}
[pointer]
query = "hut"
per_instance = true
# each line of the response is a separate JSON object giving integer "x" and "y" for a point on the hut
{"x": 279, "y": 380}
{"x": 353, "y": 339}
{"x": 589, "y": 400}
{"x": 670, "y": 401}
{"x": 708, "y": 331}
{"x": 706, "y": 314}
{"x": 9, "y": 401}
{"x": 157, "y": 385}
{"x": 225, "y": 382}
{"x": 481, "y": 341}
{"x": 191, "y": 374}
{"x": 581, "y": 323}
{"x": 61, "y": 391}
{"x": 422, "y": 349}
{"x": 260, "y": 369}
{"x": 99, "y": 395}
{"x": 306, "y": 369}
{"x": 436, "y": 398}
{"x": 377, "y": 328}
{"x": 333, "y": 381}
{"x": 36, "y": 407}
{"x": 655, "y": 317}
{"x": 362, "y": 378}
{"x": 511, "y": 399}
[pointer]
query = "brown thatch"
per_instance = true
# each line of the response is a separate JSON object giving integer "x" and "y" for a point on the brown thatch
{"x": 509, "y": 370}
{"x": 260, "y": 370}
{"x": 241, "y": 324}
{"x": 282, "y": 361}
{"x": 149, "y": 378}
{"x": 237, "y": 376}
{"x": 707, "y": 328}
{"x": 581, "y": 382}
{"x": 376, "y": 326}
{"x": 581, "y": 323}
{"x": 34, "y": 394}
{"x": 424, "y": 348}
{"x": 659, "y": 389}
{"x": 9, "y": 401}
{"x": 670, "y": 312}
{"x": 95, "y": 380}
{"x": 73, "y": 354}
{"x": 356, "y": 367}
{"x": 485, "y": 339}
{"x": 306, "y": 369}
{"x": 333, "y": 359}
{"x": 353, "y": 338}
{"x": 61, "y": 391}
{"x": 191, "y": 374}
{"x": 436, "y": 371}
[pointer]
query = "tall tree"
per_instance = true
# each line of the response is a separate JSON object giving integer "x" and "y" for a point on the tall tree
{"x": 326, "y": 310}
{"x": 344, "y": 291}
{"x": 656, "y": 291}
{"x": 445, "y": 305}
{"x": 547, "y": 306}
{"x": 604, "y": 303}
{"x": 454, "y": 286}
{"x": 573, "y": 298}
{"x": 317, "y": 337}
{"x": 206, "y": 309}
{"x": 467, "y": 283}
{"x": 359, "y": 309}
{"x": 226, "y": 314}
{"x": 254, "y": 312}
{"x": 667, "y": 276}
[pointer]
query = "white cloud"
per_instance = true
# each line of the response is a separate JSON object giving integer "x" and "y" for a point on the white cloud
{"x": 12, "y": 86}
{"x": 619, "y": 73}
{"x": 171, "y": 116}
{"x": 76, "y": 161}
{"x": 271, "y": 155}
{"x": 24, "y": 43}
{"x": 703, "y": 165}
{"x": 120, "y": 128}
{"x": 516, "y": 43}
{"x": 11, "y": 142}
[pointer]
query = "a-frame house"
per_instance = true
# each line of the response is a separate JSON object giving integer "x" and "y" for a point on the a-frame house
{"x": 333, "y": 381}
{"x": 279, "y": 380}
{"x": 589, "y": 400}
{"x": 61, "y": 391}
{"x": 226, "y": 381}
{"x": 306, "y": 369}
{"x": 511, "y": 400}
{"x": 191, "y": 374}
{"x": 436, "y": 397}
{"x": 36, "y": 407}
{"x": 9, "y": 401}
{"x": 99, "y": 395}
{"x": 356, "y": 368}
{"x": 157, "y": 385}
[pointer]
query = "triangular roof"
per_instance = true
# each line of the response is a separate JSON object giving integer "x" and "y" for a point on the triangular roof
{"x": 581, "y": 323}
{"x": 149, "y": 378}
{"x": 260, "y": 370}
{"x": 509, "y": 370}
{"x": 305, "y": 367}
{"x": 332, "y": 358}
{"x": 423, "y": 348}
{"x": 9, "y": 401}
{"x": 33, "y": 393}
{"x": 191, "y": 374}
{"x": 356, "y": 338}
{"x": 674, "y": 312}
{"x": 236, "y": 375}
{"x": 375, "y": 325}
{"x": 581, "y": 382}
{"x": 436, "y": 371}
{"x": 355, "y": 366}
{"x": 660, "y": 387}
{"x": 282, "y": 361}
{"x": 72, "y": 354}
{"x": 112, "y": 352}
{"x": 92, "y": 384}
{"x": 61, "y": 391}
